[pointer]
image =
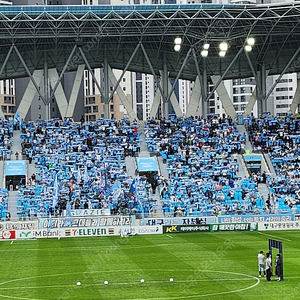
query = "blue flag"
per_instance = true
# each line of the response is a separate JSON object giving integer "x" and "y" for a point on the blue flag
{"x": 55, "y": 193}
{"x": 132, "y": 188}
{"x": 86, "y": 175}
{"x": 78, "y": 176}
{"x": 50, "y": 222}
{"x": 68, "y": 219}
{"x": 17, "y": 118}
{"x": 117, "y": 187}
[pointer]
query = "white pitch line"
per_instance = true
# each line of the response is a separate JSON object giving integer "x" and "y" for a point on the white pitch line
{"x": 180, "y": 297}
{"x": 169, "y": 236}
{"x": 122, "y": 283}
{"x": 280, "y": 238}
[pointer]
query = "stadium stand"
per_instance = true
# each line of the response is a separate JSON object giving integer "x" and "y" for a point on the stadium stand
{"x": 81, "y": 165}
{"x": 279, "y": 139}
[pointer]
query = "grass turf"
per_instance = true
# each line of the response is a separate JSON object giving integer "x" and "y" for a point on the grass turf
{"x": 203, "y": 266}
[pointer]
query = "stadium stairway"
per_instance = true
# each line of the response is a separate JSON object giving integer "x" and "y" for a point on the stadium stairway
{"x": 130, "y": 165}
{"x": 263, "y": 190}
{"x": 270, "y": 165}
{"x": 242, "y": 171}
{"x": 15, "y": 148}
{"x": 163, "y": 172}
{"x": 242, "y": 129}
{"x": 144, "y": 152}
{"x": 2, "y": 174}
{"x": 266, "y": 165}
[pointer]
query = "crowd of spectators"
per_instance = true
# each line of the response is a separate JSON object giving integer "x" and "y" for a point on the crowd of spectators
{"x": 6, "y": 134}
{"x": 85, "y": 163}
{"x": 280, "y": 140}
{"x": 202, "y": 166}
{"x": 88, "y": 161}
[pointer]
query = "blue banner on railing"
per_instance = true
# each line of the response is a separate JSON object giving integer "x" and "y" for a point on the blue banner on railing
{"x": 15, "y": 167}
{"x": 146, "y": 164}
{"x": 256, "y": 218}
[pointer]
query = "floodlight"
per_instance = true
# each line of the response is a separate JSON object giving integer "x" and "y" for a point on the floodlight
{"x": 206, "y": 46}
{"x": 178, "y": 41}
{"x": 222, "y": 53}
{"x": 177, "y": 47}
{"x": 248, "y": 48}
{"x": 204, "y": 53}
{"x": 223, "y": 46}
{"x": 251, "y": 41}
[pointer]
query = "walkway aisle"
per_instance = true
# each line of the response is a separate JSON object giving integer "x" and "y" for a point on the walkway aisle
{"x": 242, "y": 172}
{"x": 130, "y": 165}
{"x": 242, "y": 129}
{"x": 144, "y": 148}
{"x": 263, "y": 190}
{"x": 262, "y": 187}
{"x": 145, "y": 153}
{"x": 2, "y": 174}
{"x": 16, "y": 144}
{"x": 16, "y": 148}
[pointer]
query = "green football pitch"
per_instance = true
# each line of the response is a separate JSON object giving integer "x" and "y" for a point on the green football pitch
{"x": 202, "y": 266}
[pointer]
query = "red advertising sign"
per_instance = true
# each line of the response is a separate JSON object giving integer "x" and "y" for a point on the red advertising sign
{"x": 7, "y": 235}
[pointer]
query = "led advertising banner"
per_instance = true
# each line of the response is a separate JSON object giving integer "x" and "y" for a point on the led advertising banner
{"x": 147, "y": 164}
{"x": 15, "y": 167}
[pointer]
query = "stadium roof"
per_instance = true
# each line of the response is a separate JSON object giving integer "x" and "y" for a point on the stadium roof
{"x": 31, "y": 35}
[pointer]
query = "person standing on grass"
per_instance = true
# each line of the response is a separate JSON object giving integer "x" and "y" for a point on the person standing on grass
{"x": 261, "y": 263}
{"x": 269, "y": 266}
{"x": 278, "y": 267}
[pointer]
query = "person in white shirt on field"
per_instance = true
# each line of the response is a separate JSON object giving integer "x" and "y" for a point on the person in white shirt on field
{"x": 269, "y": 266}
{"x": 261, "y": 263}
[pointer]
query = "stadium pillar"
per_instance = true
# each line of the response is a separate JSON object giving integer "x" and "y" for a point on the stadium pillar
{"x": 261, "y": 78}
{"x": 64, "y": 70}
{"x": 74, "y": 93}
{"x": 263, "y": 86}
{"x": 165, "y": 85}
{"x": 128, "y": 106}
{"x": 224, "y": 97}
{"x": 106, "y": 88}
{"x": 46, "y": 89}
{"x": 29, "y": 74}
{"x": 204, "y": 89}
{"x": 2, "y": 69}
{"x": 29, "y": 94}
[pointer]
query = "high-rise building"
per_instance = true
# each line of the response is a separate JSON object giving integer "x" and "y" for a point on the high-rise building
{"x": 7, "y": 89}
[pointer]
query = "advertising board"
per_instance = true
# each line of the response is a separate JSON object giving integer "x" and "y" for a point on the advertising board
{"x": 269, "y": 226}
{"x": 7, "y": 235}
{"x": 88, "y": 212}
{"x": 255, "y": 218}
{"x": 87, "y": 232}
{"x": 74, "y": 222}
{"x": 178, "y": 221}
{"x": 206, "y": 228}
{"x": 19, "y": 225}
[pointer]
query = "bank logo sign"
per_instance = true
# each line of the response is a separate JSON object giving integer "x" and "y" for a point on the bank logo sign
{"x": 25, "y": 234}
